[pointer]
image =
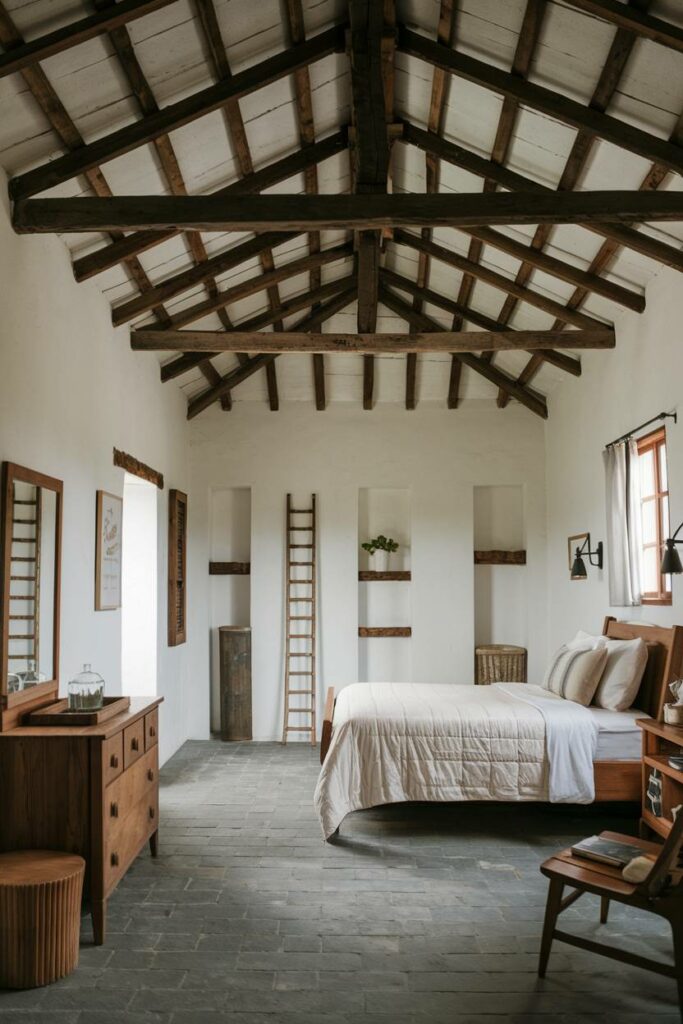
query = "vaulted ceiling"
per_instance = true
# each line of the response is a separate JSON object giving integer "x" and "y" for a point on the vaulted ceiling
{"x": 412, "y": 197}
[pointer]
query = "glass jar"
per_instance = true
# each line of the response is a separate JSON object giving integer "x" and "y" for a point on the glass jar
{"x": 14, "y": 682}
{"x": 31, "y": 677}
{"x": 86, "y": 691}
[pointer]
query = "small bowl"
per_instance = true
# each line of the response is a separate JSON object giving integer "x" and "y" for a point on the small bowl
{"x": 673, "y": 714}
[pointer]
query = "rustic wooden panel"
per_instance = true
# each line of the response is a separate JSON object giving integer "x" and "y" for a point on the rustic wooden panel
{"x": 177, "y": 568}
{"x": 384, "y": 631}
{"x": 229, "y": 568}
{"x": 137, "y": 468}
{"x": 500, "y": 557}
{"x": 370, "y": 575}
{"x": 234, "y": 652}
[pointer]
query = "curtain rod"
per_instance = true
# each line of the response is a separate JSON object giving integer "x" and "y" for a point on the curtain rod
{"x": 660, "y": 416}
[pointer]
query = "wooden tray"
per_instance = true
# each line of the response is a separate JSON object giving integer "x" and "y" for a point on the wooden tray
{"x": 59, "y": 714}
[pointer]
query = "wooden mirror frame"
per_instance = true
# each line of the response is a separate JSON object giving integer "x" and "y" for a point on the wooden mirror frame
{"x": 43, "y": 692}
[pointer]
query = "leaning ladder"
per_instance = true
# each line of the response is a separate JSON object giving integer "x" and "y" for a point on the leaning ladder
{"x": 24, "y": 609}
{"x": 300, "y": 601}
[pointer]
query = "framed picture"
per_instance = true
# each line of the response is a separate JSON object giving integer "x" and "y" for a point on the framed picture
{"x": 572, "y": 544}
{"x": 108, "y": 551}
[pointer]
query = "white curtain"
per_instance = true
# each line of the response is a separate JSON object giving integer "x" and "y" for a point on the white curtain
{"x": 622, "y": 482}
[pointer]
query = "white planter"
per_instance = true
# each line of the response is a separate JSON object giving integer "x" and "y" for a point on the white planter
{"x": 380, "y": 561}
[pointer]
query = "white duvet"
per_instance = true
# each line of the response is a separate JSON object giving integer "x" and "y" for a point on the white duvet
{"x": 394, "y": 742}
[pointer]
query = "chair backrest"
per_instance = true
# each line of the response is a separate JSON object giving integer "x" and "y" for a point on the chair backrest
{"x": 666, "y": 862}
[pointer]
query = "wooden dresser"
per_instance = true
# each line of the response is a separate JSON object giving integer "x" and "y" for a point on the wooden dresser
{"x": 91, "y": 790}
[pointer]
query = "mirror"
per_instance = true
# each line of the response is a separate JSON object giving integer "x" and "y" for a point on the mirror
{"x": 31, "y": 564}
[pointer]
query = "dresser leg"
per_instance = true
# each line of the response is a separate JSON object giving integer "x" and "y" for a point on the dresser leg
{"x": 154, "y": 843}
{"x": 98, "y": 911}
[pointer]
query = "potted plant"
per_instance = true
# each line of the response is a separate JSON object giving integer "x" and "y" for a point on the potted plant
{"x": 380, "y": 549}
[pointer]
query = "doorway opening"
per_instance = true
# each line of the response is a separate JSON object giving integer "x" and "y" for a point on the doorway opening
{"x": 139, "y": 588}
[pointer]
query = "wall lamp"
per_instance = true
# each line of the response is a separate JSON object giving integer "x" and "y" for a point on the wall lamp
{"x": 579, "y": 571}
{"x": 671, "y": 562}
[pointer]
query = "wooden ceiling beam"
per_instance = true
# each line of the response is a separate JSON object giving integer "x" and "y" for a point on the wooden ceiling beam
{"x": 390, "y": 277}
{"x": 437, "y": 106}
{"x": 175, "y": 115}
{"x": 230, "y": 380}
{"x": 495, "y": 279}
{"x": 186, "y": 279}
{"x": 443, "y": 340}
{"x": 63, "y": 126}
{"x": 633, "y": 20}
{"x": 273, "y": 174}
{"x": 298, "y": 213}
{"x": 121, "y": 42}
{"x": 121, "y": 13}
{"x": 527, "y": 42}
{"x": 461, "y": 157}
{"x": 608, "y": 82}
{"x": 370, "y": 155}
{"x": 304, "y": 112}
{"x": 140, "y": 339}
{"x": 531, "y": 399}
{"x": 546, "y": 101}
{"x": 261, "y": 282}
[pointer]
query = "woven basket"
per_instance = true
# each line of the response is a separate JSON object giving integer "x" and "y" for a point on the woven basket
{"x": 499, "y": 663}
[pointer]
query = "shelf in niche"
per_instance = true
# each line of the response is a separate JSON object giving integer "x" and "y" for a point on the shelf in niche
{"x": 384, "y": 631}
{"x": 371, "y": 576}
{"x": 500, "y": 557}
{"x": 229, "y": 568}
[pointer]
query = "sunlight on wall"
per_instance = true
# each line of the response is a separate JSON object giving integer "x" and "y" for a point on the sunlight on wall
{"x": 139, "y": 589}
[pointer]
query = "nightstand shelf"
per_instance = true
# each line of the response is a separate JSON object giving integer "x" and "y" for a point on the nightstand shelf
{"x": 660, "y": 741}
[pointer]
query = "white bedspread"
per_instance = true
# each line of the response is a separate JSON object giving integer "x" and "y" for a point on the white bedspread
{"x": 394, "y": 742}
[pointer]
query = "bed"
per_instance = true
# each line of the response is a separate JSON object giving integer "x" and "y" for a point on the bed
{"x": 386, "y": 743}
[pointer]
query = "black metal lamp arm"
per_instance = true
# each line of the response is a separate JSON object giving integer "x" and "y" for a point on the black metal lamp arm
{"x": 597, "y": 554}
{"x": 672, "y": 540}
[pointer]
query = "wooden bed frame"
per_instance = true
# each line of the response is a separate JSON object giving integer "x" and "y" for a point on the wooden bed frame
{"x": 614, "y": 780}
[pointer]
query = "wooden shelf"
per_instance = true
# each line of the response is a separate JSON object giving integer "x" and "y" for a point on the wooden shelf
{"x": 370, "y": 576}
{"x": 661, "y": 763}
{"x": 672, "y": 733}
{"x": 500, "y": 557}
{"x": 378, "y": 631}
{"x": 660, "y": 825}
{"x": 229, "y": 568}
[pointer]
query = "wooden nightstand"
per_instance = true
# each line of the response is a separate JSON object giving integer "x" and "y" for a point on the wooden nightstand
{"x": 659, "y": 741}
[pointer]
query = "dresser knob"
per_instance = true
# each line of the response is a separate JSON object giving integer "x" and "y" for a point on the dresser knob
{"x": 152, "y": 731}
{"x": 134, "y": 744}
{"x": 151, "y": 812}
{"x": 114, "y": 860}
{"x": 114, "y": 810}
{"x": 114, "y": 762}
{"x": 150, "y": 775}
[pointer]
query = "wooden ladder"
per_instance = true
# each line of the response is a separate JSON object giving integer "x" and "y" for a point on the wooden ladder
{"x": 24, "y": 611}
{"x": 300, "y": 600}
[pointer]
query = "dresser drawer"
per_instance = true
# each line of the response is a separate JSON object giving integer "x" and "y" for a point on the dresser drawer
{"x": 126, "y": 839}
{"x": 112, "y": 758}
{"x": 151, "y": 729}
{"x": 122, "y": 795}
{"x": 133, "y": 742}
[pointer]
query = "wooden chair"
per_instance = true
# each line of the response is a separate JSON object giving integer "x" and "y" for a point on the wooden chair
{"x": 661, "y": 893}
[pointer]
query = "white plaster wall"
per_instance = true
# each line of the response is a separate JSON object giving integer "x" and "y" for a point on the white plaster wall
{"x": 618, "y": 390}
{"x": 71, "y": 390}
{"x": 438, "y": 456}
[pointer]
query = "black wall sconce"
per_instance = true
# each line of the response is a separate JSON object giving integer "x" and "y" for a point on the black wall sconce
{"x": 671, "y": 561}
{"x": 579, "y": 571}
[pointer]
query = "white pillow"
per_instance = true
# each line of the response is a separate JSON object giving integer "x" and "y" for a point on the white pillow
{"x": 574, "y": 672}
{"x": 626, "y": 661}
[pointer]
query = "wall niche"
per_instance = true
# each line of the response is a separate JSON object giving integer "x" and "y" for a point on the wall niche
{"x": 229, "y": 573}
{"x": 500, "y": 581}
{"x": 384, "y": 603}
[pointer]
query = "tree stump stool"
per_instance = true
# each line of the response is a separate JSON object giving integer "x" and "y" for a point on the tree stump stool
{"x": 40, "y": 912}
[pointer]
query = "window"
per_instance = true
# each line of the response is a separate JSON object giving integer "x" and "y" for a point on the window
{"x": 139, "y": 588}
{"x": 654, "y": 499}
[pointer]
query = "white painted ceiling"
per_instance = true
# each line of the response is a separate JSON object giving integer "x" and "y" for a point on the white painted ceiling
{"x": 572, "y": 50}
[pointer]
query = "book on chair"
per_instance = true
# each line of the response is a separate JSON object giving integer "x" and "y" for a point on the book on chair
{"x": 607, "y": 851}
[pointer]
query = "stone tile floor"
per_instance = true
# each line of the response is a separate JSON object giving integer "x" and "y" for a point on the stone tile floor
{"x": 419, "y": 914}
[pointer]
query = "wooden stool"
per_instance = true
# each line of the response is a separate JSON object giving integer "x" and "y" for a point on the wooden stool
{"x": 40, "y": 911}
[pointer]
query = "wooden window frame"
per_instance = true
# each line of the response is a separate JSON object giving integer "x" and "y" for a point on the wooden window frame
{"x": 177, "y": 568}
{"x": 654, "y": 442}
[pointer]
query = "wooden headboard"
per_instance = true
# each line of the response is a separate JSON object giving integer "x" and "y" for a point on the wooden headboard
{"x": 664, "y": 662}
